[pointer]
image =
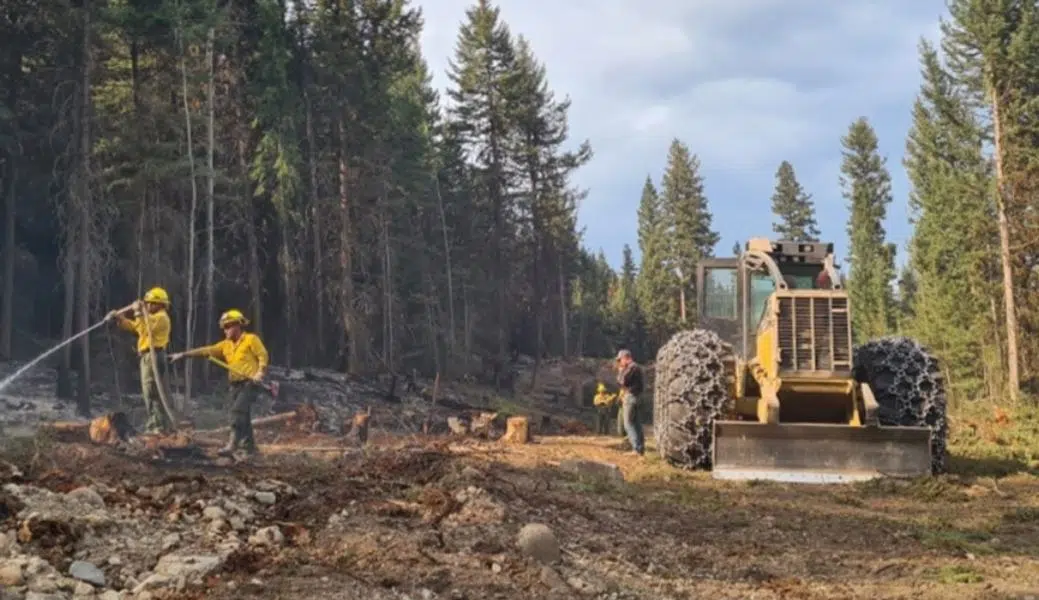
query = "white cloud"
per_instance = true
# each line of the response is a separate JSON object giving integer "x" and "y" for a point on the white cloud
{"x": 744, "y": 83}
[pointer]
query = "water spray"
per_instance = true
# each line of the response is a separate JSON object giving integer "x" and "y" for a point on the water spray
{"x": 9, "y": 380}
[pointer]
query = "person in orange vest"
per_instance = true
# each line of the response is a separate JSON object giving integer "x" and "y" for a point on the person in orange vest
{"x": 151, "y": 323}
{"x": 247, "y": 359}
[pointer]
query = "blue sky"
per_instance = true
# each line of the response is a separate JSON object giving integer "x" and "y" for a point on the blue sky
{"x": 744, "y": 83}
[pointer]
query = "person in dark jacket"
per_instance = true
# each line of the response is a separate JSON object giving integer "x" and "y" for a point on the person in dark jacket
{"x": 629, "y": 378}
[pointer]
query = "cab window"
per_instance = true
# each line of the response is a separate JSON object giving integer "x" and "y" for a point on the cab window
{"x": 761, "y": 287}
{"x": 719, "y": 293}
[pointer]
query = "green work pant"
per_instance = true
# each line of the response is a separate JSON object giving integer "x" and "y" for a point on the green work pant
{"x": 243, "y": 395}
{"x": 620, "y": 419}
{"x": 158, "y": 420}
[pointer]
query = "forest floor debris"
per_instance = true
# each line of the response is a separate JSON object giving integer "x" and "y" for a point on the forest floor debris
{"x": 444, "y": 518}
{"x": 439, "y": 516}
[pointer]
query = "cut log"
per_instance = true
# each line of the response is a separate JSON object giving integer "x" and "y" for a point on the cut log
{"x": 174, "y": 441}
{"x": 517, "y": 431}
{"x": 290, "y": 449}
{"x": 66, "y": 426}
{"x": 304, "y": 417}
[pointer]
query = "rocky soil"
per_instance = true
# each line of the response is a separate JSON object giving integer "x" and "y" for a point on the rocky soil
{"x": 436, "y": 519}
{"x": 433, "y": 515}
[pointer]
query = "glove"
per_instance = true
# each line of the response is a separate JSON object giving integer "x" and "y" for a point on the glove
{"x": 111, "y": 316}
{"x": 176, "y": 356}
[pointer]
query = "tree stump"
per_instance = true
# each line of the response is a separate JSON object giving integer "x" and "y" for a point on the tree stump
{"x": 482, "y": 423}
{"x": 110, "y": 429}
{"x": 517, "y": 431}
{"x": 356, "y": 430}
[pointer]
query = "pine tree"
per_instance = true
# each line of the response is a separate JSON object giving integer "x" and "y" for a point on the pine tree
{"x": 793, "y": 207}
{"x": 866, "y": 185}
{"x": 547, "y": 210}
{"x": 690, "y": 235}
{"x": 654, "y": 282}
{"x": 484, "y": 80}
{"x": 907, "y": 288}
{"x": 951, "y": 252}
{"x": 991, "y": 49}
{"x": 631, "y": 325}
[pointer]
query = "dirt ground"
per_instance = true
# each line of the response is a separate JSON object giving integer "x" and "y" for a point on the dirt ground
{"x": 436, "y": 518}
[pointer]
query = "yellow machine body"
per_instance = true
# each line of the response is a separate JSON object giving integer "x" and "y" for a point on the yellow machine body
{"x": 798, "y": 411}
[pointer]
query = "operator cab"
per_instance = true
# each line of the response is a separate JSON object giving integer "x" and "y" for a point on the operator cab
{"x": 729, "y": 289}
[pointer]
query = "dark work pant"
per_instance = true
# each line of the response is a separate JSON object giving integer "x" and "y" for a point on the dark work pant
{"x": 603, "y": 416}
{"x": 243, "y": 396}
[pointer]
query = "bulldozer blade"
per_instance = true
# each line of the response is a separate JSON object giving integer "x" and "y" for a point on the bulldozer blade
{"x": 818, "y": 453}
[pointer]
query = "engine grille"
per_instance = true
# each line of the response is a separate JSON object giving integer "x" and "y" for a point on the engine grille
{"x": 814, "y": 334}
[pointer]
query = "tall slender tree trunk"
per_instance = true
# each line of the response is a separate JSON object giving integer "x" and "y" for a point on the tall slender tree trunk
{"x": 564, "y": 314}
{"x": 253, "y": 245}
{"x": 681, "y": 301}
{"x": 387, "y": 287}
{"x": 249, "y": 222}
{"x": 346, "y": 261}
{"x": 69, "y": 313}
{"x": 448, "y": 272}
{"x": 10, "y": 207}
{"x": 431, "y": 325}
{"x": 287, "y": 261}
{"x": 7, "y": 318}
{"x": 467, "y": 323}
{"x": 1009, "y": 305}
{"x": 85, "y": 215}
{"x": 140, "y": 243}
{"x": 210, "y": 315}
{"x": 316, "y": 218}
{"x": 189, "y": 331}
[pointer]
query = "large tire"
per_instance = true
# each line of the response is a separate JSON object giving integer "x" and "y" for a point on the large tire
{"x": 689, "y": 393}
{"x": 908, "y": 385}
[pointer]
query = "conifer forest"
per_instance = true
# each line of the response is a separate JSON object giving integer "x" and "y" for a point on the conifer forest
{"x": 294, "y": 160}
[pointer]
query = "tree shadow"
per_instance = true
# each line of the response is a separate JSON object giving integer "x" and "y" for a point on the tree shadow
{"x": 988, "y": 466}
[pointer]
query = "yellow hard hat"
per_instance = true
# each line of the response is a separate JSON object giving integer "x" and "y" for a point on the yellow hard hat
{"x": 233, "y": 316}
{"x": 601, "y": 388}
{"x": 158, "y": 296}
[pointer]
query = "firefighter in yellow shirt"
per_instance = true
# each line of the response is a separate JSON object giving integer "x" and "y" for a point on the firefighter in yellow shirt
{"x": 246, "y": 359}
{"x": 603, "y": 409}
{"x": 151, "y": 323}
